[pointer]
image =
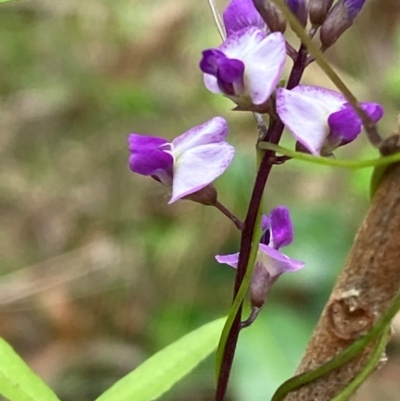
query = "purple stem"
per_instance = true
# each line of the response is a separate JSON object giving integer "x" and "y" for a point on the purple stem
{"x": 274, "y": 134}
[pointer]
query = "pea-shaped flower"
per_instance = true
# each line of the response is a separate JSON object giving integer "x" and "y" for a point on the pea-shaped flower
{"x": 321, "y": 119}
{"x": 189, "y": 163}
{"x": 247, "y": 66}
{"x": 270, "y": 263}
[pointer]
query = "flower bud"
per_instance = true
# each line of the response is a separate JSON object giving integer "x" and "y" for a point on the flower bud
{"x": 299, "y": 9}
{"x": 339, "y": 19}
{"x": 271, "y": 14}
{"x": 317, "y": 10}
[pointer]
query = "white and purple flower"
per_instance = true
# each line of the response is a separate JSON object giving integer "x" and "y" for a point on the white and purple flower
{"x": 189, "y": 163}
{"x": 321, "y": 119}
{"x": 277, "y": 231}
{"x": 246, "y": 67}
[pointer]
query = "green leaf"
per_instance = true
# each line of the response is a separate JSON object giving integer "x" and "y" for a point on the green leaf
{"x": 160, "y": 372}
{"x": 17, "y": 381}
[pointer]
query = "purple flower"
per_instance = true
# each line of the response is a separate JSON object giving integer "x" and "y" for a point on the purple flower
{"x": 189, "y": 163}
{"x": 246, "y": 67}
{"x": 277, "y": 231}
{"x": 321, "y": 119}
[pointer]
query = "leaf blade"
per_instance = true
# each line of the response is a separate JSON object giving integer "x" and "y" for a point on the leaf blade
{"x": 17, "y": 381}
{"x": 161, "y": 371}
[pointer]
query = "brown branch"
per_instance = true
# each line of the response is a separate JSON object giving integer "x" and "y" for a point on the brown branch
{"x": 366, "y": 287}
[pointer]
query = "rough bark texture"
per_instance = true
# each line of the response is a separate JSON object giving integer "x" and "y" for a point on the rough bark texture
{"x": 366, "y": 287}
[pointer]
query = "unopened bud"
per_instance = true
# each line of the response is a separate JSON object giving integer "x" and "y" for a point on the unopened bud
{"x": 318, "y": 10}
{"x": 299, "y": 9}
{"x": 271, "y": 15}
{"x": 339, "y": 19}
{"x": 206, "y": 196}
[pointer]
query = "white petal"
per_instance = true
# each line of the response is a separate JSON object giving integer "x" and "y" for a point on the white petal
{"x": 199, "y": 166}
{"x": 263, "y": 67}
{"x": 211, "y": 84}
{"x": 263, "y": 56}
{"x": 305, "y": 111}
{"x": 212, "y": 131}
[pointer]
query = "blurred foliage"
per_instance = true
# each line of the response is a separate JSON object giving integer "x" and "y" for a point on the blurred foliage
{"x": 97, "y": 271}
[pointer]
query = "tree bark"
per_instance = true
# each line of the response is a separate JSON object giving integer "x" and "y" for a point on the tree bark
{"x": 366, "y": 287}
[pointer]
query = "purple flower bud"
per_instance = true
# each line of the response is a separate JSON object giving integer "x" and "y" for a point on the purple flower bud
{"x": 271, "y": 14}
{"x": 318, "y": 10}
{"x": 299, "y": 9}
{"x": 339, "y": 19}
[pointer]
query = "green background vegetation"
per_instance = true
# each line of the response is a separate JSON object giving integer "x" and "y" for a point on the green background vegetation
{"x": 97, "y": 272}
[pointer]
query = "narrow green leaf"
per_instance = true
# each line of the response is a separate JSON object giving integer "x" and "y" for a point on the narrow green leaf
{"x": 17, "y": 381}
{"x": 160, "y": 372}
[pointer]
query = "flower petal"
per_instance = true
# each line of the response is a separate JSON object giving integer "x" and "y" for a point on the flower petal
{"x": 231, "y": 260}
{"x": 241, "y": 14}
{"x": 212, "y": 131}
{"x": 305, "y": 111}
{"x": 276, "y": 262}
{"x": 345, "y": 125}
{"x": 198, "y": 166}
{"x": 263, "y": 57}
{"x": 148, "y": 157}
{"x": 281, "y": 227}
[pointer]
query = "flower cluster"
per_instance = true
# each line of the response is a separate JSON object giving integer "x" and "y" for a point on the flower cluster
{"x": 247, "y": 68}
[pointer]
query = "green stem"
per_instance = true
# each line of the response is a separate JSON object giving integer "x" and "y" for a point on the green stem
{"x": 324, "y": 161}
{"x": 366, "y": 371}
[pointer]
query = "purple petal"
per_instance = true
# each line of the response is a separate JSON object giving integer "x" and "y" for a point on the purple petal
{"x": 353, "y": 7}
{"x": 276, "y": 262}
{"x": 265, "y": 222}
{"x": 265, "y": 229}
{"x": 230, "y": 76}
{"x": 229, "y": 72}
{"x": 241, "y": 14}
{"x": 305, "y": 111}
{"x": 149, "y": 157}
{"x": 345, "y": 125}
{"x": 281, "y": 227}
{"x": 210, "y": 60}
{"x": 231, "y": 260}
{"x": 199, "y": 166}
{"x": 212, "y": 131}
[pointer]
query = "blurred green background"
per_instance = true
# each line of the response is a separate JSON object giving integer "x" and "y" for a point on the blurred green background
{"x": 97, "y": 272}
